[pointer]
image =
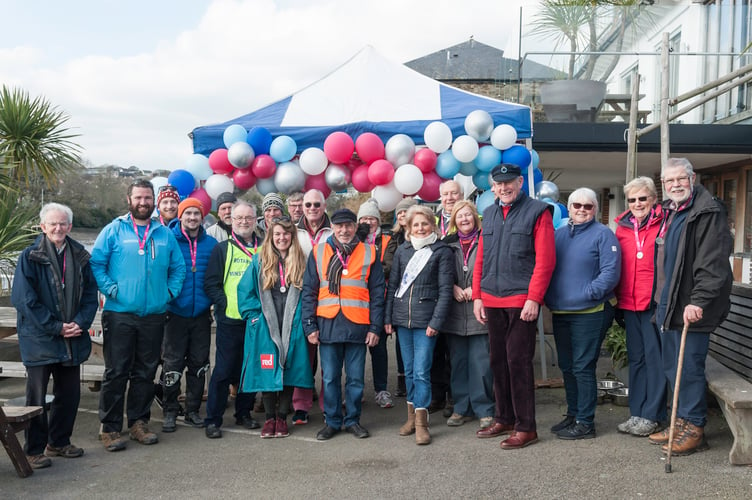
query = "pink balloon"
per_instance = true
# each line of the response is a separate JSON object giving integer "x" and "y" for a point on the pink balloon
{"x": 430, "y": 189}
{"x": 201, "y": 195}
{"x": 369, "y": 147}
{"x": 263, "y": 166}
{"x": 425, "y": 160}
{"x": 353, "y": 164}
{"x": 317, "y": 182}
{"x": 219, "y": 163}
{"x": 339, "y": 147}
{"x": 244, "y": 178}
{"x": 381, "y": 172}
{"x": 360, "y": 180}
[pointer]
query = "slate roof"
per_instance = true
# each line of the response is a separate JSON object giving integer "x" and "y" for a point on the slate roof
{"x": 472, "y": 60}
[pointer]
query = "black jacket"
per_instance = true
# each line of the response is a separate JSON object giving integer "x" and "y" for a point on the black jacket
{"x": 429, "y": 298}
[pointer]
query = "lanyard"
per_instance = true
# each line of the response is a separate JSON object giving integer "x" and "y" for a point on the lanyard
{"x": 243, "y": 248}
{"x": 466, "y": 255}
{"x": 442, "y": 224}
{"x": 343, "y": 261}
{"x": 282, "y": 282}
{"x": 192, "y": 248}
{"x": 62, "y": 278}
{"x": 668, "y": 220}
{"x": 141, "y": 243}
{"x": 315, "y": 239}
{"x": 636, "y": 226}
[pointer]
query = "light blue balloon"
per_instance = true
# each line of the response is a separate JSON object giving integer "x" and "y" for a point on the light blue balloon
{"x": 283, "y": 148}
{"x": 482, "y": 180}
{"x": 488, "y": 157}
{"x": 535, "y": 158}
{"x": 234, "y": 133}
{"x": 564, "y": 211}
{"x": 557, "y": 216}
{"x": 484, "y": 201}
{"x": 447, "y": 166}
{"x": 198, "y": 166}
{"x": 469, "y": 169}
{"x": 266, "y": 186}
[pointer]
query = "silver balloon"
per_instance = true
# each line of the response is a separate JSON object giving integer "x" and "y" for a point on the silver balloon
{"x": 399, "y": 149}
{"x": 479, "y": 125}
{"x": 547, "y": 189}
{"x": 289, "y": 177}
{"x": 337, "y": 177}
{"x": 266, "y": 186}
{"x": 240, "y": 155}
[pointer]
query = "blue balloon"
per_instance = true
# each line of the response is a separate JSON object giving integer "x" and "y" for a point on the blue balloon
{"x": 260, "y": 140}
{"x": 447, "y": 166}
{"x": 469, "y": 169}
{"x": 488, "y": 157}
{"x": 564, "y": 211}
{"x": 517, "y": 155}
{"x": 283, "y": 148}
{"x": 537, "y": 176}
{"x": 234, "y": 133}
{"x": 183, "y": 182}
{"x": 482, "y": 180}
{"x": 535, "y": 158}
{"x": 484, "y": 201}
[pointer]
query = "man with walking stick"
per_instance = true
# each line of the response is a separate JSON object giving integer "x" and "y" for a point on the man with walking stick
{"x": 693, "y": 284}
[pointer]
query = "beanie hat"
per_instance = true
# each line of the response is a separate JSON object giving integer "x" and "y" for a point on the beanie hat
{"x": 225, "y": 198}
{"x": 404, "y": 205}
{"x": 369, "y": 209}
{"x": 272, "y": 200}
{"x": 190, "y": 202}
{"x": 168, "y": 193}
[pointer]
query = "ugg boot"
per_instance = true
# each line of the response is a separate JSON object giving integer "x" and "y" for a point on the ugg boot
{"x": 409, "y": 426}
{"x": 422, "y": 436}
{"x": 690, "y": 440}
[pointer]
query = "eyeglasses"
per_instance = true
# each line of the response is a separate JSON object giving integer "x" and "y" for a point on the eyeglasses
{"x": 586, "y": 206}
{"x": 283, "y": 218}
{"x": 678, "y": 180}
{"x": 315, "y": 204}
{"x": 639, "y": 198}
{"x": 167, "y": 187}
{"x": 247, "y": 218}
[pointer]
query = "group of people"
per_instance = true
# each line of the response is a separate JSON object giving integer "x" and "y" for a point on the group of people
{"x": 295, "y": 287}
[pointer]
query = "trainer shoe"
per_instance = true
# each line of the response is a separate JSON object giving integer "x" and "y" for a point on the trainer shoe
{"x": 626, "y": 427}
{"x": 141, "y": 433}
{"x": 644, "y": 427}
{"x": 486, "y": 422}
{"x": 577, "y": 431}
{"x": 112, "y": 441}
{"x": 247, "y": 421}
{"x": 269, "y": 429}
{"x": 568, "y": 421}
{"x": 194, "y": 420}
{"x": 300, "y": 417}
{"x": 213, "y": 432}
{"x": 455, "y": 420}
{"x": 384, "y": 399}
{"x": 281, "y": 429}
{"x": 67, "y": 451}
{"x": 38, "y": 461}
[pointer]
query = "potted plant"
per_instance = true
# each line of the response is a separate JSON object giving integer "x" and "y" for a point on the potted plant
{"x": 616, "y": 344}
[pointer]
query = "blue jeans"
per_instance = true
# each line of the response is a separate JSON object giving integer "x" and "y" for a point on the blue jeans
{"x": 647, "y": 395}
{"x": 471, "y": 376}
{"x": 578, "y": 342}
{"x": 692, "y": 403}
{"x": 333, "y": 357}
{"x": 417, "y": 356}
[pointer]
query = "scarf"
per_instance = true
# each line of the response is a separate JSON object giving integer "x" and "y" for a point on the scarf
{"x": 334, "y": 271}
{"x": 414, "y": 266}
{"x": 419, "y": 243}
{"x": 469, "y": 236}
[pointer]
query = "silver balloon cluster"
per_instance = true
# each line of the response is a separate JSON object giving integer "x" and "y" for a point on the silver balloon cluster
{"x": 289, "y": 177}
{"x": 337, "y": 177}
{"x": 547, "y": 189}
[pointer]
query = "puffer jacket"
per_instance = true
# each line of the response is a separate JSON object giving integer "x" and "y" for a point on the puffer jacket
{"x": 429, "y": 298}
{"x": 461, "y": 320}
{"x": 193, "y": 301}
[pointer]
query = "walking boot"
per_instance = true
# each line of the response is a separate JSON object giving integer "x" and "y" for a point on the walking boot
{"x": 422, "y": 436}
{"x": 661, "y": 437}
{"x": 691, "y": 439}
{"x": 409, "y": 426}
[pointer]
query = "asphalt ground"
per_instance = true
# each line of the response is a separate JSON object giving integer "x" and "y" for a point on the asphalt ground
{"x": 186, "y": 464}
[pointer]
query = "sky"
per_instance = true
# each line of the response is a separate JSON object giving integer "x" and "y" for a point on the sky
{"x": 136, "y": 77}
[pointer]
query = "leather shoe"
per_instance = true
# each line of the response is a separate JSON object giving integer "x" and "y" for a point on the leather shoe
{"x": 519, "y": 440}
{"x": 326, "y": 433}
{"x": 497, "y": 429}
{"x": 358, "y": 431}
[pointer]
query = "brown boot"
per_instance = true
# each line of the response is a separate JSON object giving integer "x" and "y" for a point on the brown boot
{"x": 690, "y": 440}
{"x": 661, "y": 437}
{"x": 409, "y": 426}
{"x": 422, "y": 436}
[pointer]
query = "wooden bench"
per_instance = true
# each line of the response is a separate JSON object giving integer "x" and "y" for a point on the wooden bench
{"x": 90, "y": 373}
{"x": 14, "y": 419}
{"x": 728, "y": 371}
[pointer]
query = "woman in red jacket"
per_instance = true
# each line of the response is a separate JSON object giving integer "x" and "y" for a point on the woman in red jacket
{"x": 637, "y": 230}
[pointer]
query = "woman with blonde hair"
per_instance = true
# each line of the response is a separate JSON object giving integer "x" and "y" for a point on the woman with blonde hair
{"x": 276, "y": 355}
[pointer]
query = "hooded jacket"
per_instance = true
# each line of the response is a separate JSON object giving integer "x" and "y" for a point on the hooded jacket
{"x": 193, "y": 301}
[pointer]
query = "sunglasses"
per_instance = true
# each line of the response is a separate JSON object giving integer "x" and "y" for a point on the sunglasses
{"x": 586, "y": 206}
{"x": 639, "y": 198}
{"x": 314, "y": 204}
{"x": 167, "y": 187}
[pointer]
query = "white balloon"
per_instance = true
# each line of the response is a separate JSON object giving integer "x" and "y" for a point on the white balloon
{"x": 399, "y": 149}
{"x": 465, "y": 148}
{"x": 241, "y": 155}
{"x": 479, "y": 125}
{"x": 313, "y": 161}
{"x": 386, "y": 197}
{"x": 266, "y": 186}
{"x": 218, "y": 184}
{"x": 158, "y": 182}
{"x": 438, "y": 136}
{"x": 289, "y": 177}
{"x": 198, "y": 166}
{"x": 408, "y": 179}
{"x": 503, "y": 137}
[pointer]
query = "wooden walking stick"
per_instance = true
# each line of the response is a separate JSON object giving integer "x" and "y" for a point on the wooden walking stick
{"x": 679, "y": 366}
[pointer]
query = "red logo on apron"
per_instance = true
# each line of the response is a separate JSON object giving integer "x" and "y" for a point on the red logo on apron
{"x": 267, "y": 361}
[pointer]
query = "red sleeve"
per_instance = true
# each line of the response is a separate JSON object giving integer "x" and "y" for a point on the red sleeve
{"x": 545, "y": 257}
{"x": 478, "y": 268}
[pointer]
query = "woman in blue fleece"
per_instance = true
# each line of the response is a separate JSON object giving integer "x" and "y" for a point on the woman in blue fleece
{"x": 580, "y": 296}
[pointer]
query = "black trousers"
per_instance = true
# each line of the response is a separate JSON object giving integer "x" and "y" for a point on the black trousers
{"x": 441, "y": 370}
{"x": 56, "y": 426}
{"x": 132, "y": 346}
{"x": 185, "y": 347}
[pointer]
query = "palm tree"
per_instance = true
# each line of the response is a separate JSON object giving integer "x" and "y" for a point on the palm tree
{"x": 16, "y": 233}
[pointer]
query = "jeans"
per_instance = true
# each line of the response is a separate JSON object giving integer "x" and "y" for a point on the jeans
{"x": 333, "y": 358}
{"x": 417, "y": 355}
{"x": 132, "y": 347}
{"x": 56, "y": 426}
{"x": 578, "y": 342}
{"x": 692, "y": 403}
{"x": 186, "y": 346}
{"x": 647, "y": 393}
{"x": 379, "y": 363}
{"x": 228, "y": 363}
{"x": 472, "y": 380}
